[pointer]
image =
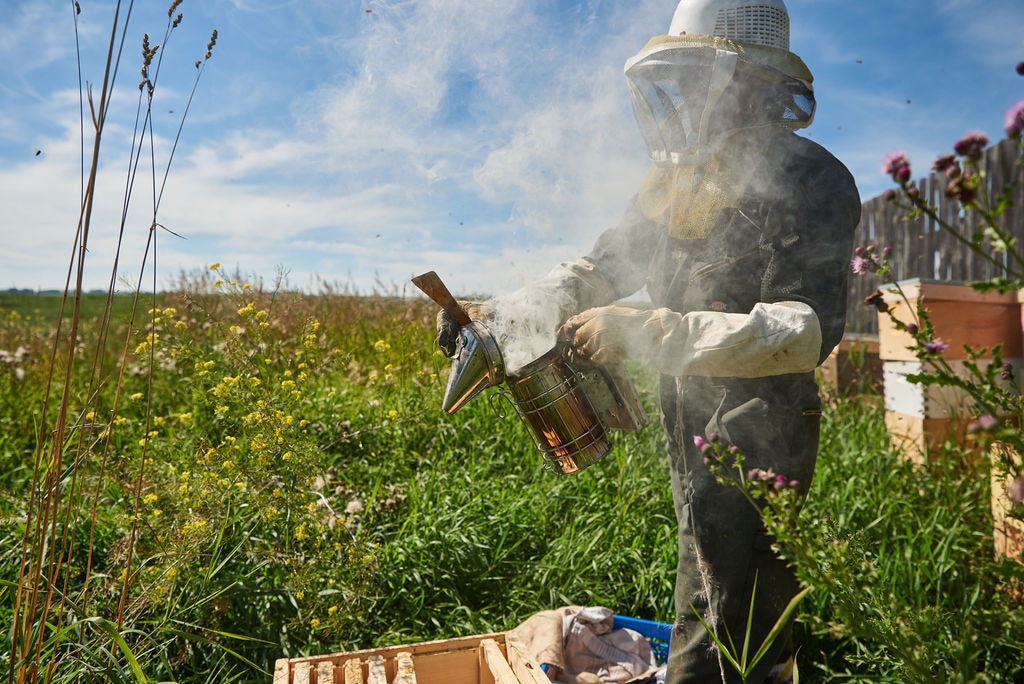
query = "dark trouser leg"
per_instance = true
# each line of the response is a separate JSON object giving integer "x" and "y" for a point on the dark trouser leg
{"x": 722, "y": 543}
{"x": 722, "y": 548}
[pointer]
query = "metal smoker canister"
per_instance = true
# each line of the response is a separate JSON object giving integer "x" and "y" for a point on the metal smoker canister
{"x": 548, "y": 394}
{"x": 566, "y": 406}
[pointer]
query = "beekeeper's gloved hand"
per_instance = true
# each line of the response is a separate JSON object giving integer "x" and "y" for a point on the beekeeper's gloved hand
{"x": 613, "y": 333}
{"x": 448, "y": 329}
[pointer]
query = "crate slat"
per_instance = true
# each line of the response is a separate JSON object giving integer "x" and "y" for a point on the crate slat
{"x": 282, "y": 671}
{"x": 376, "y": 673}
{"x": 523, "y": 666}
{"x": 495, "y": 664}
{"x": 404, "y": 671}
{"x": 353, "y": 671}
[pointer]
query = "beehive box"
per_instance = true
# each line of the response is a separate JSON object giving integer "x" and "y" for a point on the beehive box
{"x": 922, "y": 416}
{"x": 497, "y": 658}
{"x": 1008, "y": 532}
{"x": 840, "y": 372}
{"x": 960, "y": 316}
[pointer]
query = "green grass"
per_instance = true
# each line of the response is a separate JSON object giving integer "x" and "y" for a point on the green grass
{"x": 434, "y": 525}
{"x": 45, "y": 306}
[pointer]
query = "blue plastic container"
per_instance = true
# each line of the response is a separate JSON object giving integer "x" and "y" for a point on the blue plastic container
{"x": 657, "y": 633}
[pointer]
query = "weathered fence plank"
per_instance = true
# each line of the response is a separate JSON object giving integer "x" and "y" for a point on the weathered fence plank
{"x": 921, "y": 249}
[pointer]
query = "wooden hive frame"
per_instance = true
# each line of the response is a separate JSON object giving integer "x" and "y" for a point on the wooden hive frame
{"x": 496, "y": 658}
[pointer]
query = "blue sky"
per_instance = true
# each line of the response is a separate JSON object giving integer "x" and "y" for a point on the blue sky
{"x": 485, "y": 139}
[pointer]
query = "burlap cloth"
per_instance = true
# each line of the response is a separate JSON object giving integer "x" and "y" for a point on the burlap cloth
{"x": 581, "y": 647}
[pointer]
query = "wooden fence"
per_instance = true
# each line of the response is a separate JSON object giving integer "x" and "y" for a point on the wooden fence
{"x": 920, "y": 248}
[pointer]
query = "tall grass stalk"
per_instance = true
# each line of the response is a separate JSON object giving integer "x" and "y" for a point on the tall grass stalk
{"x": 55, "y": 501}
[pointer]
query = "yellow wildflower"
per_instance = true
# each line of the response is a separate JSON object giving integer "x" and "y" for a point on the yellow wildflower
{"x": 214, "y": 266}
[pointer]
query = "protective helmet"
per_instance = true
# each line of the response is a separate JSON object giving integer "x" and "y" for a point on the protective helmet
{"x": 761, "y": 22}
{"x": 725, "y": 65}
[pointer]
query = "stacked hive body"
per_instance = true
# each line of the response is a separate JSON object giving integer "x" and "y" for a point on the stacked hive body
{"x": 483, "y": 659}
{"x": 921, "y": 416}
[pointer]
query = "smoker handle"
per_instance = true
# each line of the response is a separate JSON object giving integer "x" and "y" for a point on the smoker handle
{"x": 432, "y": 286}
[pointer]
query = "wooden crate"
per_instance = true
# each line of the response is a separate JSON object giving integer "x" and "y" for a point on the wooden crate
{"x": 839, "y": 372}
{"x": 497, "y": 658}
{"x": 1009, "y": 532}
{"x": 960, "y": 316}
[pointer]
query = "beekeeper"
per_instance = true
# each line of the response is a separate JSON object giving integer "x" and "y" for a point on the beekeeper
{"x": 741, "y": 232}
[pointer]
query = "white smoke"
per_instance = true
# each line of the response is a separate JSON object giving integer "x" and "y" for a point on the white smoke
{"x": 525, "y": 323}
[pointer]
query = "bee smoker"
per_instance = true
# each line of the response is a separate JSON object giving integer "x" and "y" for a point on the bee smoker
{"x": 567, "y": 404}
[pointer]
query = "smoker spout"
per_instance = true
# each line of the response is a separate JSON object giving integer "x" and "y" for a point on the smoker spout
{"x": 477, "y": 365}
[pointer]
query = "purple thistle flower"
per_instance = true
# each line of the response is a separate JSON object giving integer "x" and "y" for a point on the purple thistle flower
{"x": 987, "y": 422}
{"x": 859, "y": 265}
{"x": 1020, "y": 68}
{"x": 1016, "y": 490}
{"x": 794, "y": 483}
{"x": 889, "y": 195}
{"x": 983, "y": 424}
{"x": 947, "y": 165}
{"x": 902, "y": 174}
{"x": 1007, "y": 371}
{"x": 752, "y": 474}
{"x": 936, "y": 346}
{"x": 894, "y": 161}
{"x": 734, "y": 449}
{"x": 886, "y": 251}
{"x": 713, "y": 436}
{"x": 702, "y": 444}
{"x": 957, "y": 189}
{"x": 859, "y": 251}
{"x": 1015, "y": 119}
{"x": 912, "y": 328}
{"x": 971, "y": 145}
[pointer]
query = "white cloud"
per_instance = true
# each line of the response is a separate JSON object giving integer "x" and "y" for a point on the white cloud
{"x": 483, "y": 112}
